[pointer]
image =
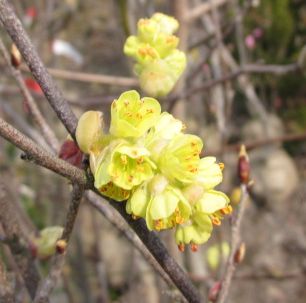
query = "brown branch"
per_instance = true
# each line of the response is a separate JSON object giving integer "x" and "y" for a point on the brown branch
{"x": 247, "y": 69}
{"x": 38, "y": 117}
{"x": 14, "y": 28}
{"x": 13, "y": 232}
{"x": 41, "y": 156}
{"x": 235, "y": 241}
{"x": 48, "y": 284}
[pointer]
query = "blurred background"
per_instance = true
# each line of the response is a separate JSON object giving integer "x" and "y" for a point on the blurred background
{"x": 244, "y": 83}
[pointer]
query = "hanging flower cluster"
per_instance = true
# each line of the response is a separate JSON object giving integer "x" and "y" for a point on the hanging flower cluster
{"x": 148, "y": 160}
{"x": 159, "y": 62}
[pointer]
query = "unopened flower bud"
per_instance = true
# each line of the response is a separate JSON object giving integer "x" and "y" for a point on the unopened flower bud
{"x": 61, "y": 246}
{"x": 44, "y": 246}
{"x": 15, "y": 56}
{"x": 240, "y": 253}
{"x": 89, "y": 131}
{"x": 243, "y": 166}
{"x": 71, "y": 153}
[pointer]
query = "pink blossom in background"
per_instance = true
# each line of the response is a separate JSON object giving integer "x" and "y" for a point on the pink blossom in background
{"x": 250, "y": 41}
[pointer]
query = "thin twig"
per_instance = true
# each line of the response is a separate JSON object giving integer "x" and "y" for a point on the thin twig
{"x": 48, "y": 284}
{"x": 74, "y": 205}
{"x": 91, "y": 78}
{"x": 235, "y": 241}
{"x": 14, "y": 28}
{"x": 38, "y": 117}
{"x": 39, "y": 155}
{"x": 277, "y": 70}
{"x": 239, "y": 32}
{"x": 258, "y": 143}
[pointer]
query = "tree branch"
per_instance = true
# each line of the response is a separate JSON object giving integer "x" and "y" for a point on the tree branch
{"x": 41, "y": 156}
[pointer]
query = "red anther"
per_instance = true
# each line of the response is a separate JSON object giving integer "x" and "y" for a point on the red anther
{"x": 194, "y": 247}
{"x": 181, "y": 247}
{"x": 135, "y": 217}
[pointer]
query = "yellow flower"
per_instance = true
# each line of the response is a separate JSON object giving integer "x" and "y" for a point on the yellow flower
{"x": 179, "y": 160}
{"x": 132, "y": 116}
{"x": 161, "y": 204}
{"x": 124, "y": 165}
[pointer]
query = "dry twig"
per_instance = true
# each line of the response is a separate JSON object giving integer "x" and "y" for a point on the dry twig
{"x": 48, "y": 284}
{"x": 92, "y": 78}
{"x": 277, "y": 70}
{"x": 235, "y": 241}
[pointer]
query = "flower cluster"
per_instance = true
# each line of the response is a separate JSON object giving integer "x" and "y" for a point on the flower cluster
{"x": 148, "y": 160}
{"x": 159, "y": 62}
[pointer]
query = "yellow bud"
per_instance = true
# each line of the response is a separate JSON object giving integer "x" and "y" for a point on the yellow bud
{"x": 89, "y": 131}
